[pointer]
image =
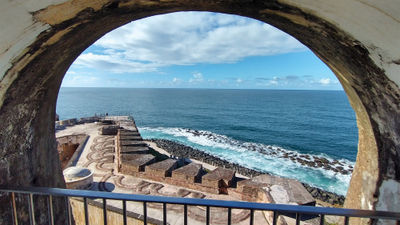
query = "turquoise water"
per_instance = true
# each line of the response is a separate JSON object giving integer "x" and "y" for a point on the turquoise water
{"x": 253, "y": 128}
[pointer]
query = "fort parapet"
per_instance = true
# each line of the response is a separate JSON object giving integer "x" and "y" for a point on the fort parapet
{"x": 120, "y": 152}
{"x": 162, "y": 169}
{"x": 220, "y": 179}
{"x": 190, "y": 173}
{"x": 134, "y": 158}
{"x": 133, "y": 164}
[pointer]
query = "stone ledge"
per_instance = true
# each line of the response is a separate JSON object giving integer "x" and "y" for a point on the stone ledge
{"x": 134, "y": 162}
{"x": 130, "y": 138}
{"x": 220, "y": 179}
{"x": 190, "y": 173}
{"x": 133, "y": 150}
{"x": 132, "y": 143}
{"x": 162, "y": 169}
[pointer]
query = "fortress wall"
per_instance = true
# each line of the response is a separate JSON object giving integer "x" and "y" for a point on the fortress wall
{"x": 114, "y": 215}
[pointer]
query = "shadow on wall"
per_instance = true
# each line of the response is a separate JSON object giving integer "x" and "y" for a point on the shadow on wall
{"x": 70, "y": 148}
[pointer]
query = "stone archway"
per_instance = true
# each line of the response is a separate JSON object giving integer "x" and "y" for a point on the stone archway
{"x": 357, "y": 39}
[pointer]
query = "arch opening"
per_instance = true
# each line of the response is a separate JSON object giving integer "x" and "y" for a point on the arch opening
{"x": 118, "y": 46}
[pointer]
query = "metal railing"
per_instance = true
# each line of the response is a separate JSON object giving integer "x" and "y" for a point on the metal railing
{"x": 276, "y": 209}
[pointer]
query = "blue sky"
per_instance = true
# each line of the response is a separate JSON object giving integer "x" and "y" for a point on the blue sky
{"x": 199, "y": 50}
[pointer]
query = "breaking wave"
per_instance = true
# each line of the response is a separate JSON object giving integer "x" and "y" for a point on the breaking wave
{"x": 320, "y": 171}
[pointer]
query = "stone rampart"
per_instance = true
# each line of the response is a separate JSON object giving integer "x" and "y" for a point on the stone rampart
{"x": 133, "y": 161}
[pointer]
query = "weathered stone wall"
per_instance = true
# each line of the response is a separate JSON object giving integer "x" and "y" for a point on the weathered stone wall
{"x": 65, "y": 152}
{"x": 67, "y": 146}
{"x": 357, "y": 39}
{"x": 114, "y": 214}
{"x": 190, "y": 173}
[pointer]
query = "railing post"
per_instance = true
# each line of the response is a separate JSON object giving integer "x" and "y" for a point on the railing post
{"x": 346, "y": 220}
{"x": 144, "y": 213}
{"x": 322, "y": 220}
{"x": 298, "y": 218}
{"x": 14, "y": 206}
{"x": 105, "y": 211}
{"x": 85, "y": 205}
{"x": 229, "y": 216}
{"x": 31, "y": 210}
{"x": 50, "y": 209}
{"x": 251, "y": 216}
{"x": 164, "y": 213}
{"x": 185, "y": 219}
{"x": 68, "y": 207}
{"x": 124, "y": 211}
{"x": 275, "y": 219}
{"x": 207, "y": 215}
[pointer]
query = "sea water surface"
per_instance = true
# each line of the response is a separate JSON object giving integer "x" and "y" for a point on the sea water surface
{"x": 241, "y": 126}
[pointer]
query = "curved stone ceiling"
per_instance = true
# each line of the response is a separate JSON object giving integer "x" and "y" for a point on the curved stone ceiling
{"x": 358, "y": 39}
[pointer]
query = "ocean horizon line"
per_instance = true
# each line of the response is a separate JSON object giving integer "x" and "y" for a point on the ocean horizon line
{"x": 194, "y": 88}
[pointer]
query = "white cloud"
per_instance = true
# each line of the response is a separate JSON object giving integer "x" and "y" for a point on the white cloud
{"x": 327, "y": 81}
{"x": 239, "y": 80}
{"x": 115, "y": 63}
{"x": 274, "y": 81}
{"x": 84, "y": 80}
{"x": 196, "y": 78}
{"x": 176, "y": 80}
{"x": 297, "y": 82}
{"x": 186, "y": 38}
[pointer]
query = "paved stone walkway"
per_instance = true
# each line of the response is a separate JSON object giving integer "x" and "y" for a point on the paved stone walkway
{"x": 99, "y": 157}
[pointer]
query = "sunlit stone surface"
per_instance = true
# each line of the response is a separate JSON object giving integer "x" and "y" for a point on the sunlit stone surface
{"x": 78, "y": 177}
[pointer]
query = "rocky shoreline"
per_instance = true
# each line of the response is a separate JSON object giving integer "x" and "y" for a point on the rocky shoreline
{"x": 311, "y": 161}
{"x": 184, "y": 151}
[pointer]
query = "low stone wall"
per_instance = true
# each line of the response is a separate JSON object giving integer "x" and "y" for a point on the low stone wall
{"x": 161, "y": 171}
{"x": 191, "y": 173}
{"x": 70, "y": 147}
{"x": 109, "y": 130}
{"x": 114, "y": 214}
{"x": 184, "y": 151}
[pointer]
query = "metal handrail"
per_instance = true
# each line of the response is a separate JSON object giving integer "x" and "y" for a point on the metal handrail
{"x": 281, "y": 208}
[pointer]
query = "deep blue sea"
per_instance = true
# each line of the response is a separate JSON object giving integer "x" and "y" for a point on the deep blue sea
{"x": 253, "y": 128}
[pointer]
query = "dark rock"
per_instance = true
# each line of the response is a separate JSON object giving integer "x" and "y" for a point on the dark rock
{"x": 184, "y": 151}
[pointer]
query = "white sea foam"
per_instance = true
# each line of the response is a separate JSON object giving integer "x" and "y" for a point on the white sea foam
{"x": 268, "y": 158}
